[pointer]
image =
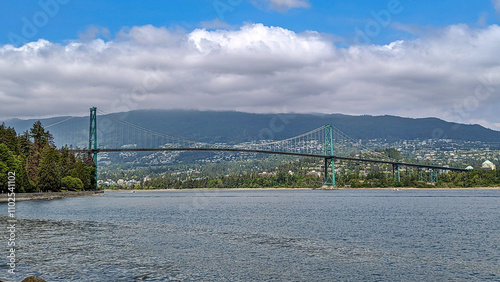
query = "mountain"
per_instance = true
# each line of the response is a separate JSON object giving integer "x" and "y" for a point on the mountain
{"x": 236, "y": 127}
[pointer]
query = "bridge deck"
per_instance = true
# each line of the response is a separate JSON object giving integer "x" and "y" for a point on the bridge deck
{"x": 394, "y": 163}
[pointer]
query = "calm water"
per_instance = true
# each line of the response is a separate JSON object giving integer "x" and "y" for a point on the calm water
{"x": 261, "y": 235}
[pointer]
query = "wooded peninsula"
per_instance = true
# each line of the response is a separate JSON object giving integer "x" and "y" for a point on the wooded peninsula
{"x": 39, "y": 166}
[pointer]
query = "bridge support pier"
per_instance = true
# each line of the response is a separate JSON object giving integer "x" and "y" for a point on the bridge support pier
{"x": 433, "y": 175}
{"x": 394, "y": 176}
{"x": 436, "y": 176}
{"x": 93, "y": 139}
{"x": 329, "y": 174}
{"x": 329, "y": 160}
{"x": 399, "y": 174}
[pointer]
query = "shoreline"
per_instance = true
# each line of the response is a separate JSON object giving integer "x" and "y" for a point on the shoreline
{"x": 290, "y": 189}
{"x": 414, "y": 188}
{"x": 204, "y": 189}
{"x": 4, "y": 198}
{"x": 61, "y": 195}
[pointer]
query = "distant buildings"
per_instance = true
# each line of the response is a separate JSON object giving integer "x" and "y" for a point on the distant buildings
{"x": 487, "y": 165}
{"x": 120, "y": 182}
{"x": 267, "y": 174}
{"x": 314, "y": 173}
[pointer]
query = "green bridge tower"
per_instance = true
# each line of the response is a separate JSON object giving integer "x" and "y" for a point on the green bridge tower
{"x": 329, "y": 160}
{"x": 93, "y": 139}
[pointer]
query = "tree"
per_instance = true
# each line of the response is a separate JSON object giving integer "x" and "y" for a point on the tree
{"x": 22, "y": 179}
{"x": 49, "y": 177}
{"x": 8, "y": 136}
{"x": 40, "y": 136}
{"x": 80, "y": 172}
{"x": 67, "y": 162}
{"x": 38, "y": 165}
{"x": 24, "y": 143}
{"x": 7, "y": 163}
{"x": 393, "y": 153}
{"x": 32, "y": 162}
{"x": 71, "y": 183}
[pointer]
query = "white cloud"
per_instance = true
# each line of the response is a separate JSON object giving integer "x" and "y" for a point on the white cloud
{"x": 94, "y": 32}
{"x": 453, "y": 74}
{"x": 284, "y": 5}
{"x": 496, "y": 3}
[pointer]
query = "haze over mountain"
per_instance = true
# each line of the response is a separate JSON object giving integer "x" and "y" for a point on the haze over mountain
{"x": 236, "y": 127}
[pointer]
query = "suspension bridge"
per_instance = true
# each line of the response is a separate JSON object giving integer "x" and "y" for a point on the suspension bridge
{"x": 326, "y": 142}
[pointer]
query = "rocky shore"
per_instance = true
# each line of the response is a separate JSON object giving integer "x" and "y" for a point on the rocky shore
{"x": 49, "y": 195}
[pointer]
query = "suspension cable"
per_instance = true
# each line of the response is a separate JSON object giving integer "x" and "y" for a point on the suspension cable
{"x": 59, "y": 122}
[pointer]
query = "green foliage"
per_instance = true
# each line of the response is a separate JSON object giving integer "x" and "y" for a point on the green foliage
{"x": 8, "y": 163}
{"x": 71, "y": 183}
{"x": 40, "y": 136}
{"x": 8, "y": 137}
{"x": 49, "y": 176}
{"x": 474, "y": 178}
{"x": 7, "y": 157}
{"x": 4, "y": 170}
{"x": 281, "y": 180}
{"x": 81, "y": 172}
{"x": 38, "y": 165}
{"x": 347, "y": 174}
{"x": 391, "y": 153}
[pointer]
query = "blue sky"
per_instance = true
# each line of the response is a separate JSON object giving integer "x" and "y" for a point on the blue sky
{"x": 407, "y": 58}
{"x": 339, "y": 18}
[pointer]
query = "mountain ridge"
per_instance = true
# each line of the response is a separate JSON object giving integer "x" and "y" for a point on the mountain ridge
{"x": 236, "y": 127}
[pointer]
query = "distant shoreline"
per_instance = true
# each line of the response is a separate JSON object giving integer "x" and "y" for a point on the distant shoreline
{"x": 49, "y": 195}
{"x": 61, "y": 195}
{"x": 413, "y": 188}
{"x": 290, "y": 189}
{"x": 203, "y": 189}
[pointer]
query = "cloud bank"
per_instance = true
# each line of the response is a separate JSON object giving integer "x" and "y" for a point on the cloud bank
{"x": 453, "y": 74}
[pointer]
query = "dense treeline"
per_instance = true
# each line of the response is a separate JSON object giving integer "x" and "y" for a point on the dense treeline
{"x": 290, "y": 175}
{"x": 184, "y": 171}
{"x": 298, "y": 174}
{"x": 476, "y": 178}
{"x": 281, "y": 180}
{"x": 39, "y": 165}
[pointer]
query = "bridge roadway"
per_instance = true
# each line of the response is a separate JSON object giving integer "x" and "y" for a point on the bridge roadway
{"x": 394, "y": 163}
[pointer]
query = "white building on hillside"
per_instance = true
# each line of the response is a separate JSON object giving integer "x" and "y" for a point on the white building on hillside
{"x": 487, "y": 165}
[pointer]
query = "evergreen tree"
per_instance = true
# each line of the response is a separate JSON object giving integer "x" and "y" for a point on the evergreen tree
{"x": 49, "y": 176}
{"x": 38, "y": 165}
{"x": 67, "y": 162}
{"x": 32, "y": 162}
{"x": 22, "y": 179}
{"x": 8, "y": 163}
{"x": 8, "y": 136}
{"x": 4, "y": 170}
{"x": 40, "y": 136}
{"x": 24, "y": 143}
{"x": 80, "y": 172}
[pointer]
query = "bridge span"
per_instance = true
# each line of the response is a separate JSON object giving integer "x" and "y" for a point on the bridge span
{"x": 318, "y": 143}
{"x": 361, "y": 160}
